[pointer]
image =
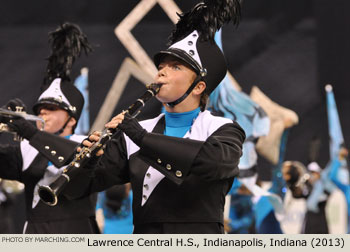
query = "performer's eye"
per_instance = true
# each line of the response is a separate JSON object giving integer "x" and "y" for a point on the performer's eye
{"x": 176, "y": 67}
{"x": 49, "y": 107}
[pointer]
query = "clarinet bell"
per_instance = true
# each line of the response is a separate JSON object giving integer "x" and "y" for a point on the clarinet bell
{"x": 49, "y": 193}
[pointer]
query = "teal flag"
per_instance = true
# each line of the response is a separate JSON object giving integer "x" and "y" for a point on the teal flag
{"x": 81, "y": 82}
{"x": 228, "y": 102}
{"x": 336, "y": 138}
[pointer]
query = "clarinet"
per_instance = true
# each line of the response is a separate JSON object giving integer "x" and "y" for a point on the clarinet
{"x": 49, "y": 193}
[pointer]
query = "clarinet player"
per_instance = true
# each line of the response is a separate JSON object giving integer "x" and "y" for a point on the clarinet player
{"x": 182, "y": 163}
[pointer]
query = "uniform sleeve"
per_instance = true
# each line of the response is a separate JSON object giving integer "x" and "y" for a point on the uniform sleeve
{"x": 57, "y": 149}
{"x": 214, "y": 159}
{"x": 101, "y": 173}
{"x": 11, "y": 162}
{"x": 219, "y": 156}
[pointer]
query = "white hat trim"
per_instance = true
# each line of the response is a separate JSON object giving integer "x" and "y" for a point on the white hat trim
{"x": 55, "y": 92}
{"x": 188, "y": 45}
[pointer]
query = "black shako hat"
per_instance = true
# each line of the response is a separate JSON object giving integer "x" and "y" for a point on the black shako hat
{"x": 193, "y": 42}
{"x": 66, "y": 42}
{"x": 64, "y": 95}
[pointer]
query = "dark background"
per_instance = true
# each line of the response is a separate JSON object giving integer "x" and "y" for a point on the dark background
{"x": 290, "y": 49}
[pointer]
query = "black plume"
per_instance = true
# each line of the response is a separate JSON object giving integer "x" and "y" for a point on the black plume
{"x": 206, "y": 17}
{"x": 67, "y": 42}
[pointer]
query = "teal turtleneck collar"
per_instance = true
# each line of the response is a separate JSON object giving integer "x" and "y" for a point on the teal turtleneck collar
{"x": 177, "y": 124}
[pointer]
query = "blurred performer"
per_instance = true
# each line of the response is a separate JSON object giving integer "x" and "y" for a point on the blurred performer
{"x": 241, "y": 217}
{"x": 115, "y": 207}
{"x": 6, "y": 222}
{"x": 306, "y": 184}
{"x": 181, "y": 164}
{"x": 335, "y": 177}
{"x": 60, "y": 106}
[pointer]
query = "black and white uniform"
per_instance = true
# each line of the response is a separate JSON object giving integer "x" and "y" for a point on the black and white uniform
{"x": 179, "y": 185}
{"x": 25, "y": 164}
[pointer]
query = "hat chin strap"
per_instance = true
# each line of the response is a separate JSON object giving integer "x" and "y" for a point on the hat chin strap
{"x": 189, "y": 90}
{"x": 59, "y": 132}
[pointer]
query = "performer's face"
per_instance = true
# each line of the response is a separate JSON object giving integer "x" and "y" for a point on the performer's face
{"x": 343, "y": 153}
{"x": 176, "y": 77}
{"x": 285, "y": 171}
{"x": 54, "y": 118}
{"x": 314, "y": 176}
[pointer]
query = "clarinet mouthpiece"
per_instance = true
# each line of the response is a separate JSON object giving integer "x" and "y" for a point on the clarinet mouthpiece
{"x": 155, "y": 87}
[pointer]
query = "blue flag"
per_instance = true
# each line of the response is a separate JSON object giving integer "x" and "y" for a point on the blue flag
{"x": 228, "y": 102}
{"x": 233, "y": 104}
{"x": 336, "y": 138}
{"x": 335, "y": 141}
{"x": 81, "y": 82}
{"x": 265, "y": 220}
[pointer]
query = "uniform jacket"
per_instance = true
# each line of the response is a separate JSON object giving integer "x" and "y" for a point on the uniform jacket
{"x": 173, "y": 180}
{"x": 25, "y": 164}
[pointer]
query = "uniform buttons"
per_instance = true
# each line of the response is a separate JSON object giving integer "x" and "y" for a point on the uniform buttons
{"x": 168, "y": 166}
{"x": 53, "y": 153}
{"x": 178, "y": 173}
{"x": 144, "y": 197}
{"x": 148, "y": 175}
{"x": 159, "y": 161}
{"x": 146, "y": 186}
{"x": 60, "y": 158}
{"x": 47, "y": 147}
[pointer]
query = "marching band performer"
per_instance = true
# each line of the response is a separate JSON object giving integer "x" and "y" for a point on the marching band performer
{"x": 182, "y": 163}
{"x": 342, "y": 184}
{"x": 60, "y": 105}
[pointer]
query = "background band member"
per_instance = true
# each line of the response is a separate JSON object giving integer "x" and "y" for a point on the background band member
{"x": 60, "y": 105}
{"x": 342, "y": 184}
{"x": 304, "y": 183}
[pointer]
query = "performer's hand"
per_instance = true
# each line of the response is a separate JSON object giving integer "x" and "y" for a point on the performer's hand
{"x": 112, "y": 124}
{"x": 227, "y": 227}
{"x": 12, "y": 105}
{"x": 130, "y": 126}
{"x": 19, "y": 124}
{"x": 22, "y": 127}
{"x": 94, "y": 137}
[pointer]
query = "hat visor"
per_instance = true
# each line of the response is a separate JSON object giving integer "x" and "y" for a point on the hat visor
{"x": 177, "y": 53}
{"x": 50, "y": 101}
